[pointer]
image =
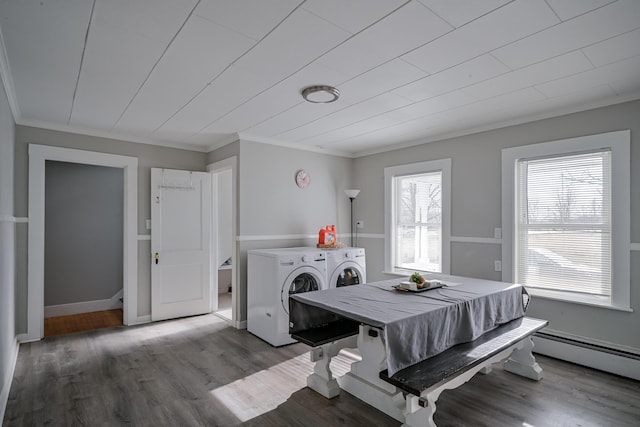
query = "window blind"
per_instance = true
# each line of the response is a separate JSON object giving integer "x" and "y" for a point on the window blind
{"x": 563, "y": 224}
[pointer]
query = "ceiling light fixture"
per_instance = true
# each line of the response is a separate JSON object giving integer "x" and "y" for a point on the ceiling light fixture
{"x": 320, "y": 94}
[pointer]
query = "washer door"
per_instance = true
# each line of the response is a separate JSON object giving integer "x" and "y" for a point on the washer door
{"x": 347, "y": 274}
{"x": 299, "y": 281}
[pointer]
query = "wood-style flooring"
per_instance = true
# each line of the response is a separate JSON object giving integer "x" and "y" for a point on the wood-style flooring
{"x": 61, "y": 325}
{"x": 199, "y": 371}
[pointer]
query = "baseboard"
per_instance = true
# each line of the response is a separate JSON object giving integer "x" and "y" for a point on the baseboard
{"x": 84, "y": 306}
{"x": 608, "y": 360}
{"x": 141, "y": 320}
{"x": 241, "y": 324}
{"x": 6, "y": 387}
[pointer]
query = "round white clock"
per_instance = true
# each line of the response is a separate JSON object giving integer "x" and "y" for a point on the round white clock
{"x": 303, "y": 179}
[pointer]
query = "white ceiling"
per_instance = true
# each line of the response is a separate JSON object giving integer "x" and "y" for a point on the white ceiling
{"x": 199, "y": 74}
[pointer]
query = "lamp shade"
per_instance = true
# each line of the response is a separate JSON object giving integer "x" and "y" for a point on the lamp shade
{"x": 352, "y": 193}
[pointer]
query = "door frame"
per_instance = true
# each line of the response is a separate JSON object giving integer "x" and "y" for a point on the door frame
{"x": 230, "y": 163}
{"x": 38, "y": 155}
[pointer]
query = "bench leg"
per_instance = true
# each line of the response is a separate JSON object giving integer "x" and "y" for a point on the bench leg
{"x": 523, "y": 363}
{"x": 418, "y": 416}
{"x": 321, "y": 380}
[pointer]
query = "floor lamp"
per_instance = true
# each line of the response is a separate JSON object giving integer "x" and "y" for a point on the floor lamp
{"x": 352, "y": 194}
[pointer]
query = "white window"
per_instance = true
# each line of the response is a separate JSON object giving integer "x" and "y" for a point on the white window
{"x": 567, "y": 209}
{"x": 417, "y": 219}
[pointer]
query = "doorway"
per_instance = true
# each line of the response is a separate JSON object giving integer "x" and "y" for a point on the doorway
{"x": 83, "y": 247}
{"x": 38, "y": 155}
{"x": 224, "y": 226}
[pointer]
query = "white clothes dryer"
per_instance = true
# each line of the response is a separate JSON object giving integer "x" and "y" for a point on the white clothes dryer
{"x": 346, "y": 267}
{"x": 273, "y": 275}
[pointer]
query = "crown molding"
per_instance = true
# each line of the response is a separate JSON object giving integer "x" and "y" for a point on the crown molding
{"x": 293, "y": 145}
{"x": 108, "y": 135}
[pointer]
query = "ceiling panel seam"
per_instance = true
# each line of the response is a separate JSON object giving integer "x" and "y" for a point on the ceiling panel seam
{"x": 155, "y": 65}
{"x": 84, "y": 49}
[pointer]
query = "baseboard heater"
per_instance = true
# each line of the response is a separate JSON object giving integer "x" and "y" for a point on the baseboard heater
{"x": 590, "y": 346}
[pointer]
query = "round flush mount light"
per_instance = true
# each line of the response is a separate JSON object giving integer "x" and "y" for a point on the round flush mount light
{"x": 320, "y": 94}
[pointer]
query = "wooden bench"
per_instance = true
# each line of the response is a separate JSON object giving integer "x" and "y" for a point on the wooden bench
{"x": 424, "y": 381}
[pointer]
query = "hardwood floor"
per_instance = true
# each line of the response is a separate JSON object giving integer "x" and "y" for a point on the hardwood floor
{"x": 198, "y": 371}
{"x": 61, "y": 325}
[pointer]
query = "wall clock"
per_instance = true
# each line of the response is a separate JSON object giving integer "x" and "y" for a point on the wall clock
{"x": 303, "y": 179}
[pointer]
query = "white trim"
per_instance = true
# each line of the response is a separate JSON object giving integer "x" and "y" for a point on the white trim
{"x": 370, "y": 235}
{"x": 486, "y": 240}
{"x": 38, "y": 154}
{"x": 292, "y": 145}
{"x": 141, "y": 320}
{"x": 230, "y": 163}
{"x": 114, "y": 136}
{"x": 248, "y": 238}
{"x": 619, "y": 142}
{"x": 592, "y": 341}
{"x": 84, "y": 306}
{"x": 592, "y": 301}
{"x": 443, "y": 165}
{"x": 13, "y": 219}
{"x": 619, "y": 365}
{"x": 6, "y": 387}
{"x": 634, "y": 246}
{"x": 142, "y": 237}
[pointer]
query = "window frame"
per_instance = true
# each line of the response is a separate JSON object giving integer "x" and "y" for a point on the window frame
{"x": 619, "y": 144}
{"x": 444, "y": 167}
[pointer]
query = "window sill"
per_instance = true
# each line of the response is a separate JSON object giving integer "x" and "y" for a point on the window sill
{"x": 404, "y": 272}
{"x": 570, "y": 298}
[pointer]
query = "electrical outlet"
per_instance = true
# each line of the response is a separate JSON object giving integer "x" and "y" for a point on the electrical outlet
{"x": 497, "y": 265}
{"x": 359, "y": 223}
{"x": 148, "y": 224}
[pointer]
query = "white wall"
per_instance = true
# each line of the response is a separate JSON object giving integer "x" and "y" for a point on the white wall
{"x": 8, "y": 343}
{"x": 476, "y": 211}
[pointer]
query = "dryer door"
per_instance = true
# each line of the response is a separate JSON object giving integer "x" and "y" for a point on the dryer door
{"x": 347, "y": 274}
{"x": 304, "y": 279}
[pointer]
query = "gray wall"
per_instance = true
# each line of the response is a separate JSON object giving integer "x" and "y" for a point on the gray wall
{"x": 270, "y": 203}
{"x": 148, "y": 156}
{"x": 84, "y": 207}
{"x": 476, "y": 209}
{"x": 8, "y": 343}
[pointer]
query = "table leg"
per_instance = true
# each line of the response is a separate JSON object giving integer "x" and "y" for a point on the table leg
{"x": 363, "y": 380}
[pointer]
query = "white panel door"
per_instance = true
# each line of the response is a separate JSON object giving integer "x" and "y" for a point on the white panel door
{"x": 180, "y": 243}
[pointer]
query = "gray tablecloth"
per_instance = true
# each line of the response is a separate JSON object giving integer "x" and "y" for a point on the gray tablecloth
{"x": 416, "y": 325}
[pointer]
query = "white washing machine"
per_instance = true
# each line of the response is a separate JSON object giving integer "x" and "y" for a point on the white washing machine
{"x": 273, "y": 275}
{"x": 345, "y": 267}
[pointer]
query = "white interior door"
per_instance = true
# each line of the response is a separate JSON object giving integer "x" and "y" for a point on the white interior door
{"x": 181, "y": 279}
